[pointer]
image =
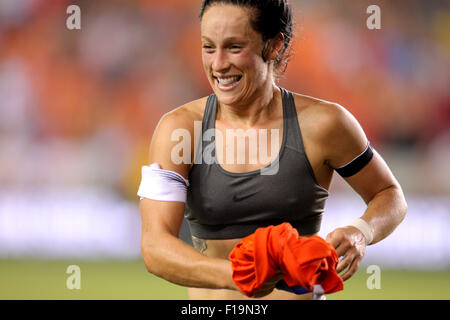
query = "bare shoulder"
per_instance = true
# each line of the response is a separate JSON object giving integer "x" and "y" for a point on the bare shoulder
{"x": 330, "y": 126}
{"x": 179, "y": 122}
{"x": 320, "y": 112}
{"x": 184, "y": 116}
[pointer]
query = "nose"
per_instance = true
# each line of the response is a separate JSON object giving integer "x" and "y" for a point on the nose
{"x": 220, "y": 62}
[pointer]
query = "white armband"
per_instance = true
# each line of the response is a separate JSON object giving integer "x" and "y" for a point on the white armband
{"x": 365, "y": 229}
{"x": 162, "y": 185}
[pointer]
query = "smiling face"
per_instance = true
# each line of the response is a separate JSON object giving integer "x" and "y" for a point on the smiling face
{"x": 232, "y": 55}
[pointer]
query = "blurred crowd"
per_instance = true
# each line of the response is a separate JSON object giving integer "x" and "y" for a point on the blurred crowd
{"x": 78, "y": 107}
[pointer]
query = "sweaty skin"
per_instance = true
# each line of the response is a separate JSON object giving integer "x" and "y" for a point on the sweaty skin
{"x": 168, "y": 257}
{"x": 222, "y": 248}
{"x": 249, "y": 99}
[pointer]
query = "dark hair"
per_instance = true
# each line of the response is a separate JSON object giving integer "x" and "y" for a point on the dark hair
{"x": 271, "y": 17}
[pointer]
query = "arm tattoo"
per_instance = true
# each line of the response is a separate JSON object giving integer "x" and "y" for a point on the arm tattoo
{"x": 199, "y": 244}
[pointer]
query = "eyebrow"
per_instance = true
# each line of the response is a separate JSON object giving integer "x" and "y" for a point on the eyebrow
{"x": 231, "y": 39}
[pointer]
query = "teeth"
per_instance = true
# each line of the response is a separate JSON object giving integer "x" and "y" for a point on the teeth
{"x": 227, "y": 80}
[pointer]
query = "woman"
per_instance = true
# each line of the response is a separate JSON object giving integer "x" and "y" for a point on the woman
{"x": 245, "y": 47}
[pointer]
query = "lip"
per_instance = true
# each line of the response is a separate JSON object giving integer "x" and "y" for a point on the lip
{"x": 227, "y": 88}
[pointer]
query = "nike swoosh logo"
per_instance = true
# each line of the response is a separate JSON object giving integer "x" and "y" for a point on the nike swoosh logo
{"x": 238, "y": 197}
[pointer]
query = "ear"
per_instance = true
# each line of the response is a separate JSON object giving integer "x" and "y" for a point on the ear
{"x": 275, "y": 48}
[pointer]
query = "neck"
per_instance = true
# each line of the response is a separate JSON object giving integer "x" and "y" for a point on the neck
{"x": 259, "y": 110}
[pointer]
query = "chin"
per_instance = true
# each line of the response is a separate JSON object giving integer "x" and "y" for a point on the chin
{"x": 228, "y": 99}
{"x": 231, "y": 98}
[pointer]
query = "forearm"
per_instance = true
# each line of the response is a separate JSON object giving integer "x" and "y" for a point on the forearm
{"x": 385, "y": 212}
{"x": 177, "y": 262}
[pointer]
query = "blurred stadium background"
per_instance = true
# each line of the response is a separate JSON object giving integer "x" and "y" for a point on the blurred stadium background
{"x": 78, "y": 109}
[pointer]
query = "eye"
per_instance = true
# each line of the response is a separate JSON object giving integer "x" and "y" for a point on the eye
{"x": 235, "y": 47}
{"x": 208, "y": 48}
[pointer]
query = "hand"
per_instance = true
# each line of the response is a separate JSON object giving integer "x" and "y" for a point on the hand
{"x": 350, "y": 243}
{"x": 269, "y": 285}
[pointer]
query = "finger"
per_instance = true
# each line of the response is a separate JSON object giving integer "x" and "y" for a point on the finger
{"x": 342, "y": 248}
{"x": 352, "y": 269}
{"x": 347, "y": 259}
{"x": 344, "y": 263}
{"x": 347, "y": 275}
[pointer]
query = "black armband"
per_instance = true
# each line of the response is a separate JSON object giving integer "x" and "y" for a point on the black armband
{"x": 356, "y": 164}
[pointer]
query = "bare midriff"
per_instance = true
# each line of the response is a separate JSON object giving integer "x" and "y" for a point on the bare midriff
{"x": 221, "y": 249}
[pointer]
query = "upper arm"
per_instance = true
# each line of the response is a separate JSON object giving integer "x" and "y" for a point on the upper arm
{"x": 344, "y": 140}
{"x": 165, "y": 216}
{"x": 373, "y": 178}
{"x": 173, "y": 125}
{"x": 160, "y": 217}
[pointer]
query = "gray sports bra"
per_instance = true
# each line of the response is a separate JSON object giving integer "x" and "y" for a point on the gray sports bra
{"x": 227, "y": 205}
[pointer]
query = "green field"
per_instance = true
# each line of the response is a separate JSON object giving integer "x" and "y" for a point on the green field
{"x": 34, "y": 279}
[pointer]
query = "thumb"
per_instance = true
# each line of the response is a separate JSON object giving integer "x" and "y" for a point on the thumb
{"x": 332, "y": 239}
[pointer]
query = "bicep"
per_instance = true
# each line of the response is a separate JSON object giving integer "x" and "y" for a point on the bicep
{"x": 372, "y": 179}
{"x": 164, "y": 149}
{"x": 164, "y": 216}
{"x": 160, "y": 217}
{"x": 345, "y": 141}
{"x": 344, "y": 137}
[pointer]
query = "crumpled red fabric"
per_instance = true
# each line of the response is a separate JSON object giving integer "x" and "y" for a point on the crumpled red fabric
{"x": 304, "y": 261}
